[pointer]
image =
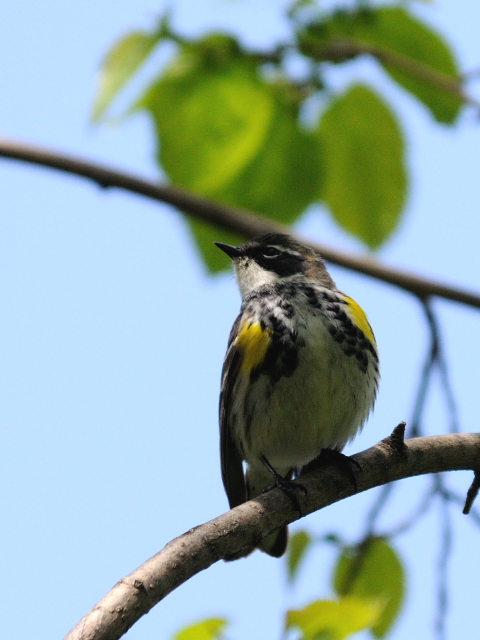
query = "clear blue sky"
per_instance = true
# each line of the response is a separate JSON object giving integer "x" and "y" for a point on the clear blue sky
{"x": 112, "y": 340}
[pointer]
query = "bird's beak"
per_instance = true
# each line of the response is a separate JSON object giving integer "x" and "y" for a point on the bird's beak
{"x": 232, "y": 252}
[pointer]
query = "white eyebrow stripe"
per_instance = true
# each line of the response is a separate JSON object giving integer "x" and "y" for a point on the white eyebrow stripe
{"x": 283, "y": 249}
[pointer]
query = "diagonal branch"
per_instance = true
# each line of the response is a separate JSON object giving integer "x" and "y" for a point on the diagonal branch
{"x": 244, "y": 526}
{"x": 342, "y": 48}
{"x": 242, "y": 222}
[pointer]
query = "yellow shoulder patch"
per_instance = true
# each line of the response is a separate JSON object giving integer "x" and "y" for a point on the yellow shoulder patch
{"x": 252, "y": 342}
{"x": 360, "y": 318}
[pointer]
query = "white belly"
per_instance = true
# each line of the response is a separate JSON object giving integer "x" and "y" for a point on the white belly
{"x": 322, "y": 405}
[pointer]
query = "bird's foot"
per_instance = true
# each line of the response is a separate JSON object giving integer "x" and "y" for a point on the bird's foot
{"x": 332, "y": 456}
{"x": 287, "y": 485}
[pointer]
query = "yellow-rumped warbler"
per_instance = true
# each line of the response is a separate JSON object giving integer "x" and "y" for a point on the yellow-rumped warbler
{"x": 300, "y": 373}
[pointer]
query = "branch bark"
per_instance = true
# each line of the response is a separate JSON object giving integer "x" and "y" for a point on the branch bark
{"x": 342, "y": 48}
{"x": 241, "y": 222}
{"x": 244, "y": 526}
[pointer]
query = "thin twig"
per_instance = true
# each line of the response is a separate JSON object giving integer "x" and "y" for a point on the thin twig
{"x": 439, "y": 359}
{"x": 341, "y": 48}
{"x": 449, "y": 396}
{"x": 396, "y": 441}
{"x": 456, "y": 498}
{"x": 241, "y": 222}
{"x": 378, "y": 506}
{"x": 435, "y": 357}
{"x": 427, "y": 370}
{"x": 416, "y": 515}
{"x": 472, "y": 493}
{"x": 443, "y": 560}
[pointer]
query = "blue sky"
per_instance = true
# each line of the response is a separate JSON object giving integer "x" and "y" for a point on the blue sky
{"x": 112, "y": 339}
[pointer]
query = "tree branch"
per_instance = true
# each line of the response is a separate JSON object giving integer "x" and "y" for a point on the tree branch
{"x": 244, "y": 526}
{"x": 241, "y": 222}
{"x": 342, "y": 48}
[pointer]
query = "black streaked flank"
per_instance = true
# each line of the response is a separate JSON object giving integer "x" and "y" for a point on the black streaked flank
{"x": 281, "y": 358}
{"x": 340, "y": 326}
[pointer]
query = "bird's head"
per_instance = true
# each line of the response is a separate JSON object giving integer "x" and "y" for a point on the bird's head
{"x": 274, "y": 258}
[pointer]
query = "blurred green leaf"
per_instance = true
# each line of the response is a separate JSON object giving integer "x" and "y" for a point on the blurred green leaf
{"x": 298, "y": 7}
{"x": 285, "y": 174}
{"x": 211, "y": 629}
{"x": 395, "y": 30}
{"x": 399, "y": 31}
{"x": 211, "y": 116}
{"x": 334, "y": 620}
{"x": 120, "y": 63}
{"x": 365, "y": 178}
{"x": 300, "y": 543}
{"x": 373, "y": 570}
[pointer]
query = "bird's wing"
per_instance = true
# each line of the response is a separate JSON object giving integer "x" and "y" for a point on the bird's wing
{"x": 231, "y": 461}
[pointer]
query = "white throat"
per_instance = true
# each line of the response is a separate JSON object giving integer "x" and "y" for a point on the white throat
{"x": 251, "y": 276}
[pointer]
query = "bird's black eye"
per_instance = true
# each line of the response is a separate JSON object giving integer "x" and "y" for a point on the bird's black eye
{"x": 271, "y": 252}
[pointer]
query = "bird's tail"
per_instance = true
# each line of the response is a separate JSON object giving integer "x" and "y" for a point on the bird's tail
{"x": 276, "y": 543}
{"x": 258, "y": 479}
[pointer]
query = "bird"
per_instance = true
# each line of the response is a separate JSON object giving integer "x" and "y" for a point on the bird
{"x": 300, "y": 374}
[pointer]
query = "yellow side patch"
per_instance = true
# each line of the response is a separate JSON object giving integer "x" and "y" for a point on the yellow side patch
{"x": 253, "y": 343}
{"x": 360, "y": 319}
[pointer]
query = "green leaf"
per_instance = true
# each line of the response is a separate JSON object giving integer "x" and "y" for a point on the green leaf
{"x": 211, "y": 118}
{"x": 365, "y": 178}
{"x": 334, "y": 620}
{"x": 373, "y": 570}
{"x": 118, "y": 66}
{"x": 300, "y": 543}
{"x": 285, "y": 174}
{"x": 211, "y": 629}
{"x": 396, "y": 31}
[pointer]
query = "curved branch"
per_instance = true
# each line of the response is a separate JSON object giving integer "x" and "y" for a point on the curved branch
{"x": 342, "y": 48}
{"x": 241, "y": 222}
{"x": 244, "y": 526}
